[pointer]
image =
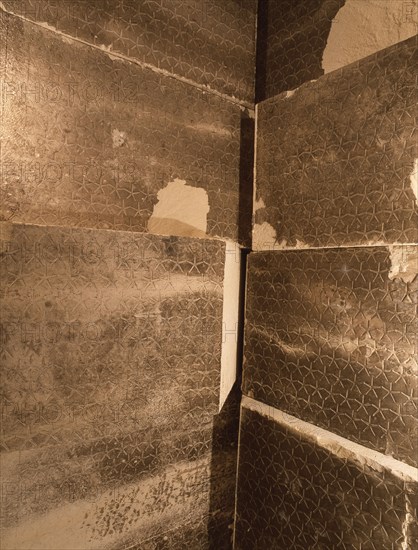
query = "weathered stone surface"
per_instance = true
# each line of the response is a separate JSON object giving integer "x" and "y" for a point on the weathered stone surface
{"x": 211, "y": 43}
{"x": 331, "y": 338}
{"x": 111, "y": 352}
{"x": 292, "y": 36}
{"x": 296, "y": 492}
{"x": 91, "y": 140}
{"x": 300, "y": 40}
{"x": 336, "y": 160}
{"x": 363, "y": 28}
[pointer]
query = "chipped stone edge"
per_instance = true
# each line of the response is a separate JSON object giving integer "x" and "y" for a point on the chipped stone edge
{"x": 404, "y": 262}
{"x": 335, "y": 444}
{"x": 114, "y": 55}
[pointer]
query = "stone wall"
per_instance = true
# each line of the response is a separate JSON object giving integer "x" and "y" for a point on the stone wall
{"x": 300, "y": 40}
{"x": 329, "y": 423}
{"x": 126, "y": 186}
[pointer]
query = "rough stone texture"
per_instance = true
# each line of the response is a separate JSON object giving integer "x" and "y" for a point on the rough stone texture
{"x": 293, "y": 493}
{"x": 111, "y": 345}
{"x": 362, "y": 28}
{"x": 331, "y": 338}
{"x": 90, "y": 140}
{"x": 292, "y": 36}
{"x": 209, "y": 42}
{"x": 335, "y": 159}
{"x": 300, "y": 40}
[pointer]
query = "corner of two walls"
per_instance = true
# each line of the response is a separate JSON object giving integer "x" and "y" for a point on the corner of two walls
{"x": 104, "y": 129}
{"x": 126, "y": 185}
{"x": 327, "y": 452}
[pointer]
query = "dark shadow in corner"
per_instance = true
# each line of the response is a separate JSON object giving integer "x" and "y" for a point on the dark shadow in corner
{"x": 225, "y": 446}
{"x": 223, "y": 473}
{"x": 246, "y": 178}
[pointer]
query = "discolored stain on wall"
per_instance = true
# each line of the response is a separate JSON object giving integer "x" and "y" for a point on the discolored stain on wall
{"x": 331, "y": 338}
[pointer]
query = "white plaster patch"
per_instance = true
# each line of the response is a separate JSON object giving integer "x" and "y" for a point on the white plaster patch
{"x": 301, "y": 244}
{"x": 404, "y": 262}
{"x": 181, "y": 210}
{"x": 414, "y": 180}
{"x": 105, "y": 48}
{"x": 290, "y": 93}
{"x": 264, "y": 237}
{"x": 230, "y": 317}
{"x": 258, "y": 205}
{"x": 337, "y": 445}
{"x": 363, "y": 27}
{"x": 118, "y": 138}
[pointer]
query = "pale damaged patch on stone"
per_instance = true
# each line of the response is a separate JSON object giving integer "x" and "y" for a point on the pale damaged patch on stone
{"x": 109, "y": 51}
{"x": 181, "y": 210}
{"x": 404, "y": 262}
{"x": 118, "y": 138}
{"x": 335, "y": 444}
{"x": 264, "y": 237}
{"x": 301, "y": 244}
{"x": 363, "y": 27}
{"x": 290, "y": 93}
{"x": 414, "y": 181}
{"x": 258, "y": 205}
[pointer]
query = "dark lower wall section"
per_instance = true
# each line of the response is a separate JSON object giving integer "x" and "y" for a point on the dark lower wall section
{"x": 111, "y": 347}
{"x": 209, "y": 42}
{"x": 304, "y": 490}
{"x": 336, "y": 160}
{"x": 91, "y": 140}
{"x": 331, "y": 338}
